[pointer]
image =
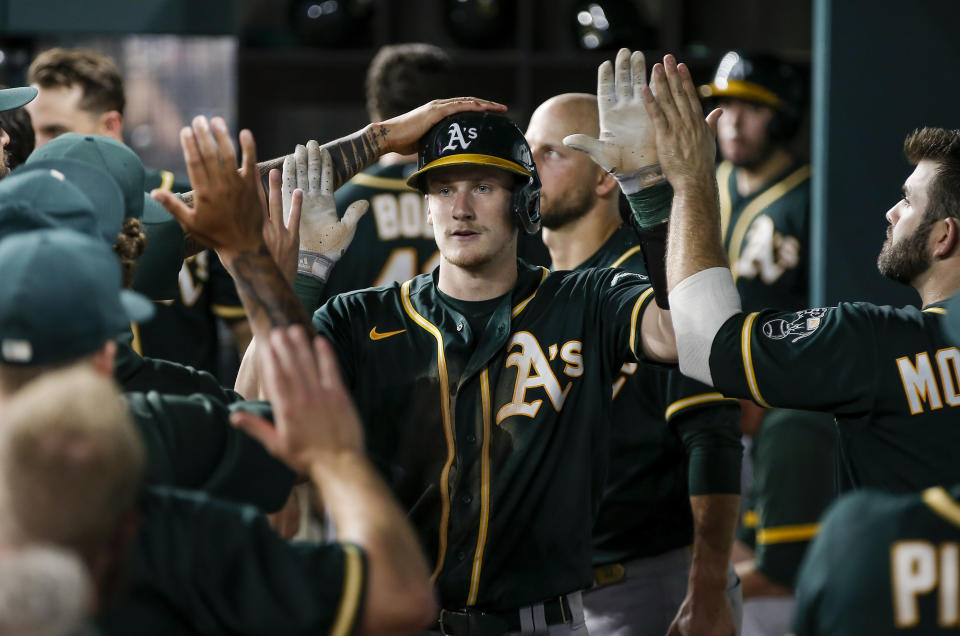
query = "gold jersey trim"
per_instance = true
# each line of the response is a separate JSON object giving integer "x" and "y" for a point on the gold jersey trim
{"x": 352, "y": 590}
{"x": 623, "y": 257}
{"x": 633, "y": 320}
{"x": 758, "y": 205}
{"x": 136, "y": 344}
{"x": 544, "y": 272}
{"x": 750, "y": 519}
{"x": 943, "y": 504}
{"x": 695, "y": 400}
{"x": 228, "y": 311}
{"x": 381, "y": 183}
{"x": 447, "y": 425}
{"x": 787, "y": 534}
{"x": 935, "y": 310}
{"x": 484, "y": 489}
{"x": 747, "y": 353}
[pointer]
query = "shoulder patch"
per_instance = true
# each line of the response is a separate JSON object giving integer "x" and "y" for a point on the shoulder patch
{"x": 802, "y": 326}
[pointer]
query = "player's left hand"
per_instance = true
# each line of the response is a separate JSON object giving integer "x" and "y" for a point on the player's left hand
{"x": 228, "y": 212}
{"x": 704, "y": 613}
{"x": 324, "y": 237}
{"x": 627, "y": 142}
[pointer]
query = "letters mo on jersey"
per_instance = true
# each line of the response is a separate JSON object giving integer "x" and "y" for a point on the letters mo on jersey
{"x": 535, "y": 375}
{"x": 918, "y": 568}
{"x": 455, "y": 138}
{"x": 929, "y": 384}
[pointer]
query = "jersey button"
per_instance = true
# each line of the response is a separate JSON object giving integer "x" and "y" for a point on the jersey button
{"x": 466, "y": 498}
{"x": 461, "y": 556}
{"x": 471, "y": 438}
{"x": 459, "y": 326}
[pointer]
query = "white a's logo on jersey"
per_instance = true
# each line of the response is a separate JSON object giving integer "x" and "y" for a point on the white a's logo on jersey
{"x": 455, "y": 134}
{"x": 533, "y": 371}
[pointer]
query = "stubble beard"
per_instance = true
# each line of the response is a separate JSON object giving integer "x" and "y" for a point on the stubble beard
{"x": 565, "y": 208}
{"x": 906, "y": 260}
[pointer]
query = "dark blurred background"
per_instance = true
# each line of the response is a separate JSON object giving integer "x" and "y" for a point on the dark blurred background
{"x": 291, "y": 70}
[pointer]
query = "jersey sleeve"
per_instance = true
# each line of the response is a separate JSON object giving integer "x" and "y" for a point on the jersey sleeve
{"x": 191, "y": 444}
{"x": 794, "y": 480}
{"x": 708, "y": 423}
{"x": 794, "y": 359}
{"x": 226, "y": 571}
{"x": 623, "y": 297}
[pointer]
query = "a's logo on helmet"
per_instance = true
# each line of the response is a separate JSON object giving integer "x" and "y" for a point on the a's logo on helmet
{"x": 456, "y": 137}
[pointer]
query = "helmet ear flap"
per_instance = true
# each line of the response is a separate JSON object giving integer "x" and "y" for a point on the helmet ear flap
{"x": 525, "y": 203}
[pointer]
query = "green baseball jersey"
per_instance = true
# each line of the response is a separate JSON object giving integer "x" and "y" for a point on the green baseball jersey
{"x": 658, "y": 417}
{"x": 495, "y": 439}
{"x": 888, "y": 375}
{"x": 190, "y": 444}
{"x": 883, "y": 564}
{"x": 184, "y": 330}
{"x": 794, "y": 482}
{"x": 136, "y": 373}
{"x": 766, "y": 237}
{"x": 202, "y": 566}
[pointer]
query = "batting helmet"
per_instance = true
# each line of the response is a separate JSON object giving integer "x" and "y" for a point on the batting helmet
{"x": 764, "y": 79}
{"x": 483, "y": 139}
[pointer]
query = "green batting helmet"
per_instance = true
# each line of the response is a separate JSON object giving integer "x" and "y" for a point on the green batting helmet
{"x": 763, "y": 79}
{"x": 483, "y": 139}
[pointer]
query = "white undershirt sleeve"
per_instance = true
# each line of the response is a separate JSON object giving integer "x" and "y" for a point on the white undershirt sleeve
{"x": 699, "y": 306}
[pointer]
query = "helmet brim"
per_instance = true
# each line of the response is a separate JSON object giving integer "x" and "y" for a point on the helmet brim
{"x": 413, "y": 180}
{"x": 740, "y": 89}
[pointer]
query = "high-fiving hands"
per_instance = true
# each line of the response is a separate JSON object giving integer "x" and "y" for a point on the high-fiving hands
{"x": 627, "y": 147}
{"x": 324, "y": 237}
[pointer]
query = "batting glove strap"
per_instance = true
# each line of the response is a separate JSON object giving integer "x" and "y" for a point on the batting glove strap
{"x": 651, "y": 206}
{"x": 641, "y": 179}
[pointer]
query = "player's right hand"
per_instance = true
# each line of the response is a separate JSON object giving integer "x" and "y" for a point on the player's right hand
{"x": 627, "y": 142}
{"x": 314, "y": 419}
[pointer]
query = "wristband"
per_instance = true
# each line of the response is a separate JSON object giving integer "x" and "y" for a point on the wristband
{"x": 641, "y": 179}
{"x": 651, "y": 206}
{"x": 314, "y": 264}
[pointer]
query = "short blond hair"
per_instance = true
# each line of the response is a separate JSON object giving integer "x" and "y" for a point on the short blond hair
{"x": 71, "y": 461}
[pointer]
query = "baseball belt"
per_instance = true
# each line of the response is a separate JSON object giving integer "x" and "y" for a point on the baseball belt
{"x": 472, "y": 622}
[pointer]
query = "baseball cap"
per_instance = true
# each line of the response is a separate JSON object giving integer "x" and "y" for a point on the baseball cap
{"x": 109, "y": 155}
{"x": 11, "y": 98}
{"x": 43, "y": 200}
{"x": 59, "y": 187}
{"x": 48, "y": 274}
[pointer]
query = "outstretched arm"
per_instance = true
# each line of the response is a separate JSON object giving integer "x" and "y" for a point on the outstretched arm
{"x": 318, "y": 432}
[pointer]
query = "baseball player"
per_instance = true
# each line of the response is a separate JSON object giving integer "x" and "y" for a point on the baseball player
{"x": 883, "y": 564}
{"x": 666, "y": 430}
{"x": 167, "y": 561}
{"x": 485, "y": 386}
{"x": 895, "y": 365}
{"x": 11, "y": 99}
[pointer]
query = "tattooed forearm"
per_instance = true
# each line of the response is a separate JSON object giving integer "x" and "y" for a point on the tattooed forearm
{"x": 191, "y": 245}
{"x": 267, "y": 297}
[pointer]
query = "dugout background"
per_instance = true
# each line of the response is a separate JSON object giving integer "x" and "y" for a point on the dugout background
{"x": 878, "y": 69}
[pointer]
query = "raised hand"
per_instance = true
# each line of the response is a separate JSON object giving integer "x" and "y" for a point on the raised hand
{"x": 323, "y": 236}
{"x": 402, "y": 133}
{"x": 627, "y": 145}
{"x": 227, "y": 211}
{"x": 281, "y": 228}
{"x": 686, "y": 142}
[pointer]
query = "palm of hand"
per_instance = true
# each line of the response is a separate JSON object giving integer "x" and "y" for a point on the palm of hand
{"x": 628, "y": 137}
{"x": 321, "y": 229}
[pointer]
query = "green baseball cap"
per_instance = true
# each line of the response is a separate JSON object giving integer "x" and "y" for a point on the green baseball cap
{"x": 11, "y": 98}
{"x": 50, "y": 186}
{"x": 82, "y": 282}
{"x": 44, "y": 199}
{"x": 111, "y": 156}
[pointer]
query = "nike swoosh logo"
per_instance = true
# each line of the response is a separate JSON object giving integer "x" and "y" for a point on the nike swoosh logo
{"x": 380, "y": 336}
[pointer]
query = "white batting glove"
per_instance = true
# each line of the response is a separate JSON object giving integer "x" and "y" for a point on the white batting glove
{"x": 323, "y": 236}
{"x": 627, "y": 147}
